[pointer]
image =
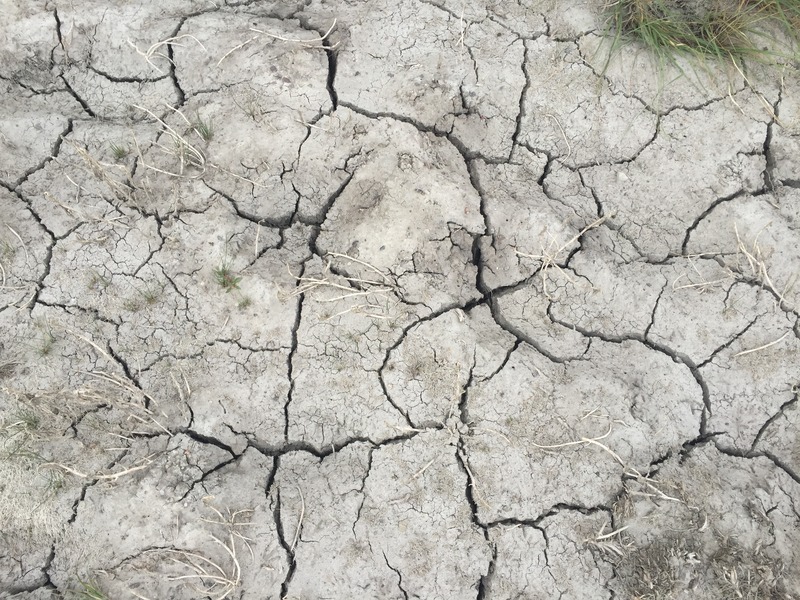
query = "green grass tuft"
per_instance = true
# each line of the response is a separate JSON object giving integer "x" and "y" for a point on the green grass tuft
{"x": 718, "y": 29}
{"x": 89, "y": 590}
{"x": 203, "y": 128}
{"x": 226, "y": 279}
{"x": 118, "y": 151}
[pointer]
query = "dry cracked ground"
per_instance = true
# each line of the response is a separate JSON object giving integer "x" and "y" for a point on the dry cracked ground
{"x": 391, "y": 299}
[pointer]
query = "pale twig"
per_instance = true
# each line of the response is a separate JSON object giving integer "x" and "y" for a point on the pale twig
{"x": 603, "y": 541}
{"x": 758, "y": 266}
{"x": 478, "y": 496}
{"x": 196, "y": 157}
{"x": 566, "y": 141}
{"x": 424, "y": 468}
{"x": 610, "y": 534}
{"x": 574, "y": 443}
{"x": 153, "y": 50}
{"x": 124, "y": 383}
{"x": 232, "y": 522}
{"x": 769, "y": 108}
{"x": 703, "y": 284}
{"x": 305, "y": 43}
{"x": 361, "y": 288}
{"x": 299, "y": 521}
{"x": 101, "y": 172}
{"x": 550, "y": 259}
{"x": 780, "y": 339}
{"x": 363, "y": 263}
{"x": 235, "y": 48}
{"x": 24, "y": 247}
{"x": 584, "y": 440}
{"x": 105, "y": 477}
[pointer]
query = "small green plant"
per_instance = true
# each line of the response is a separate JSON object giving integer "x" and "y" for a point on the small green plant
{"x": 89, "y": 590}
{"x": 146, "y": 297}
{"x": 17, "y": 433}
{"x": 203, "y": 128}
{"x": 132, "y": 305}
{"x": 118, "y": 151}
{"x": 7, "y": 251}
{"x": 27, "y": 420}
{"x": 151, "y": 295}
{"x": 226, "y": 279}
{"x": 98, "y": 281}
{"x": 46, "y": 345}
{"x": 244, "y": 302}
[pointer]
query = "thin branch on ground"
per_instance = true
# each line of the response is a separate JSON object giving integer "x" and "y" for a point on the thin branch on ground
{"x": 550, "y": 256}
{"x": 308, "y": 43}
{"x": 154, "y": 50}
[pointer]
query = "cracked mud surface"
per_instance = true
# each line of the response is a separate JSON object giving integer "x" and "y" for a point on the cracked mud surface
{"x": 437, "y": 305}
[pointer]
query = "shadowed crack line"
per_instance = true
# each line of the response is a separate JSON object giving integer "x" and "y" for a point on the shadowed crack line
{"x": 399, "y": 576}
{"x": 271, "y": 222}
{"x": 273, "y": 473}
{"x": 119, "y": 79}
{"x": 172, "y": 67}
{"x": 54, "y": 151}
{"x": 361, "y": 490}
{"x": 205, "y": 475}
{"x": 485, "y": 583}
{"x": 780, "y": 413}
{"x": 759, "y": 454}
{"x": 704, "y": 214}
{"x": 331, "y": 449}
{"x": 330, "y": 52}
{"x": 470, "y": 490}
{"x": 675, "y": 356}
{"x": 385, "y": 390}
{"x": 42, "y": 582}
{"x": 463, "y": 403}
{"x": 729, "y": 343}
{"x": 322, "y": 213}
{"x": 525, "y": 88}
{"x": 60, "y": 41}
{"x": 290, "y": 359}
{"x": 518, "y": 334}
{"x": 90, "y": 482}
{"x": 287, "y": 548}
{"x": 84, "y": 105}
{"x": 422, "y": 128}
{"x": 701, "y": 440}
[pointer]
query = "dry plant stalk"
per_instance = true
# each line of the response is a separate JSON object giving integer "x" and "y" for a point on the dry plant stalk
{"x": 313, "y": 43}
{"x": 102, "y": 171}
{"x": 317, "y": 43}
{"x": 606, "y": 542}
{"x": 146, "y": 462}
{"x": 758, "y": 266}
{"x": 373, "y": 293}
{"x": 629, "y": 472}
{"x": 211, "y": 578}
{"x": 702, "y": 286}
{"x": 154, "y": 50}
{"x": 187, "y": 154}
{"x": 550, "y": 256}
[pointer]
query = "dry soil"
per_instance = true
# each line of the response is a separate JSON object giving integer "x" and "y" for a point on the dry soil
{"x": 391, "y": 299}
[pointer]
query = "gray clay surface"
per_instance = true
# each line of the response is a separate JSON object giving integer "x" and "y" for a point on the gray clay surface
{"x": 391, "y": 299}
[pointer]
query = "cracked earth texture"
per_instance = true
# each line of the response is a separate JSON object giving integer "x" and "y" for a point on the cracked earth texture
{"x": 391, "y": 299}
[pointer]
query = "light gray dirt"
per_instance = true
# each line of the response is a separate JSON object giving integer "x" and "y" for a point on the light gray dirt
{"x": 391, "y": 299}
